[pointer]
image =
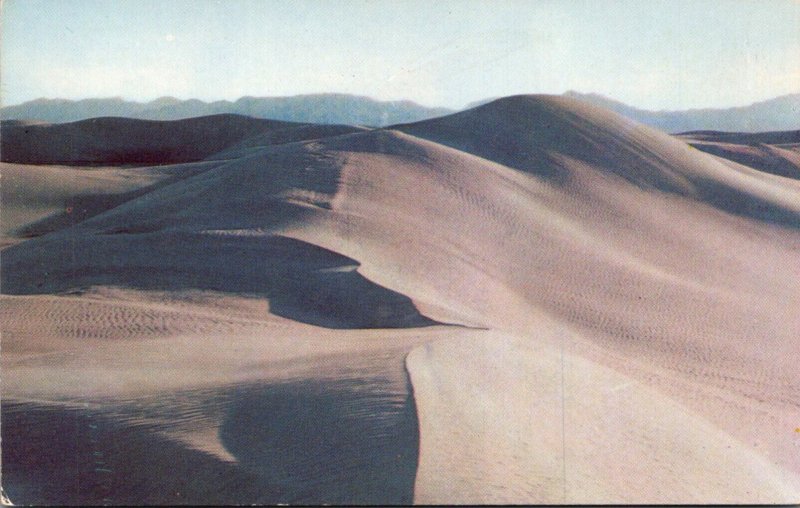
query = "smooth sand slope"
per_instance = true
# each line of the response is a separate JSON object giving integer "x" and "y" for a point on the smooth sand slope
{"x": 589, "y": 311}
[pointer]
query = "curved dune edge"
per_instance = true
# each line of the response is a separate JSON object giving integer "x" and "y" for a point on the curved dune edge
{"x": 132, "y": 393}
{"x": 502, "y": 420}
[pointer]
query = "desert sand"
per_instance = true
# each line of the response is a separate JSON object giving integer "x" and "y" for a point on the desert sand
{"x": 532, "y": 301}
{"x": 774, "y": 152}
{"x": 112, "y": 140}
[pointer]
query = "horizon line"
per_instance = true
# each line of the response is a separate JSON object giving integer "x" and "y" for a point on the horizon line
{"x": 365, "y": 96}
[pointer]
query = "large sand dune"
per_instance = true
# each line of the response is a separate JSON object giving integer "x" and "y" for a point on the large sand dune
{"x": 589, "y": 310}
{"x": 128, "y": 141}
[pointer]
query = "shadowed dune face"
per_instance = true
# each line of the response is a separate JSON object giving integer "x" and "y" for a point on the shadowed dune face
{"x": 268, "y": 410}
{"x": 523, "y": 132}
{"x": 41, "y": 199}
{"x": 127, "y": 141}
{"x": 311, "y": 440}
{"x": 207, "y": 233}
{"x": 582, "y": 245}
{"x": 69, "y": 456}
{"x": 297, "y": 442}
{"x": 302, "y": 281}
{"x": 534, "y": 133}
{"x": 777, "y": 153}
{"x": 745, "y": 138}
{"x": 110, "y": 141}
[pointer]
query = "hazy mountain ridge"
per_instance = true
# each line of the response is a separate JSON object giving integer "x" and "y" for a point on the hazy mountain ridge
{"x": 778, "y": 114}
{"x": 314, "y": 108}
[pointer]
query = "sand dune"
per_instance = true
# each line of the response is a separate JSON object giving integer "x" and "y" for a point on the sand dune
{"x": 774, "y": 152}
{"x": 558, "y": 421}
{"x": 745, "y": 138}
{"x": 130, "y": 392}
{"x": 535, "y": 134}
{"x": 128, "y": 141}
{"x": 592, "y": 311}
{"x": 38, "y": 199}
{"x": 41, "y": 199}
{"x": 282, "y": 136}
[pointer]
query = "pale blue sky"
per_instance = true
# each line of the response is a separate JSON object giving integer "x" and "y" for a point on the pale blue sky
{"x": 671, "y": 54}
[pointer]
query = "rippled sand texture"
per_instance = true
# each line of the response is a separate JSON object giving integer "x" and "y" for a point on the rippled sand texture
{"x": 534, "y": 301}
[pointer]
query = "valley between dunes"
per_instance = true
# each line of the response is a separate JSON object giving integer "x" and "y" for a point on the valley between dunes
{"x": 532, "y": 301}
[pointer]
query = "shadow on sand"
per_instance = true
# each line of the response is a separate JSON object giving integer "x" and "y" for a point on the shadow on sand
{"x": 302, "y": 442}
{"x": 303, "y": 282}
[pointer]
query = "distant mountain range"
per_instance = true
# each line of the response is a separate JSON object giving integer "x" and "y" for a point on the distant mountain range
{"x": 318, "y": 108}
{"x": 778, "y": 114}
